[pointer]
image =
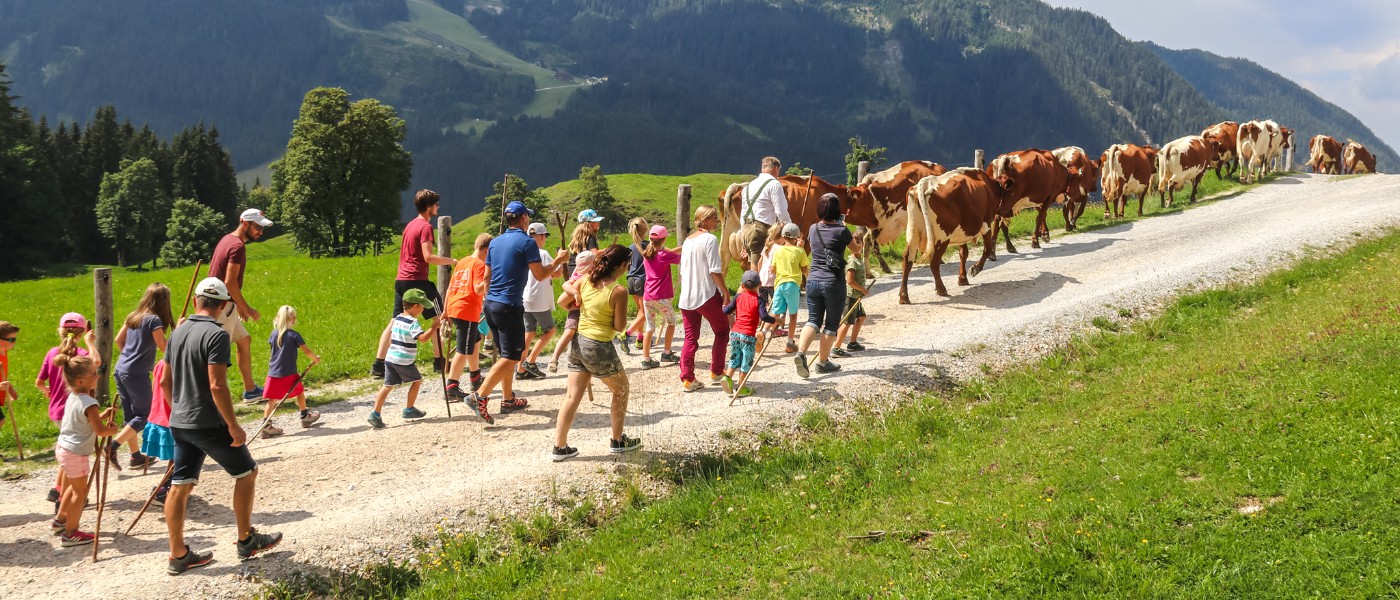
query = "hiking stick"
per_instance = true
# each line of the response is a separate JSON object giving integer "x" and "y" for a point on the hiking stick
{"x": 152, "y": 498}
{"x": 268, "y": 419}
{"x": 446, "y": 399}
{"x": 106, "y": 467}
{"x": 14, "y": 426}
{"x": 189, "y": 294}
{"x": 852, "y": 310}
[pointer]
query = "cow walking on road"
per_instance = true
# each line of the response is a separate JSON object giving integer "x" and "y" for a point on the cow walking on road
{"x": 1034, "y": 178}
{"x": 954, "y": 209}
{"x": 1128, "y": 170}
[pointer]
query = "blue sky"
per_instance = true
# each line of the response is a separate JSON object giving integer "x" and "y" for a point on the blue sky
{"x": 1346, "y": 51}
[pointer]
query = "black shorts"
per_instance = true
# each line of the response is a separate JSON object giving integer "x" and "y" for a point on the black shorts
{"x": 397, "y": 374}
{"x": 403, "y": 285}
{"x": 192, "y": 445}
{"x": 636, "y": 284}
{"x": 468, "y": 336}
{"x": 507, "y": 325}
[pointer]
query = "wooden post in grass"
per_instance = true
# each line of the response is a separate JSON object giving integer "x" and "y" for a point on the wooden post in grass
{"x": 979, "y": 159}
{"x": 102, "y": 325}
{"x": 682, "y": 212}
{"x": 862, "y": 169}
{"x": 505, "y": 187}
{"x": 1288, "y": 164}
{"x": 444, "y": 272}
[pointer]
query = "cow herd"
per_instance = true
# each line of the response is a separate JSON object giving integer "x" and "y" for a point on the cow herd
{"x": 936, "y": 208}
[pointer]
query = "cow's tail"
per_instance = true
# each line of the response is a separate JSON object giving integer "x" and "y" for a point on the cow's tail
{"x": 1112, "y": 179}
{"x": 916, "y": 226}
{"x": 1162, "y": 169}
{"x": 729, "y": 227}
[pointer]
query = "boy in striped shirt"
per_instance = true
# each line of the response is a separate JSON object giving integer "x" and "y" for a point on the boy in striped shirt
{"x": 405, "y": 334}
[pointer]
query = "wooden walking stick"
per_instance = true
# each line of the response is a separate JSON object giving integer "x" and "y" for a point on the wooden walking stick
{"x": 14, "y": 426}
{"x": 104, "y": 463}
{"x": 268, "y": 419}
{"x": 189, "y": 294}
{"x": 446, "y": 398}
{"x": 169, "y": 470}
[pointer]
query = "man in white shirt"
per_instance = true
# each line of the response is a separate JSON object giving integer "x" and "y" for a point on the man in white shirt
{"x": 762, "y": 207}
{"x": 539, "y": 305}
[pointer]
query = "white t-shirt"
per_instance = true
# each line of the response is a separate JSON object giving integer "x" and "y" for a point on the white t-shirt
{"x": 75, "y": 433}
{"x": 699, "y": 258}
{"x": 539, "y": 295}
{"x": 766, "y": 277}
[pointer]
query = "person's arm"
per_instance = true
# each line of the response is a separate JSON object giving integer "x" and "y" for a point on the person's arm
{"x": 619, "y": 306}
{"x": 568, "y": 298}
{"x": 120, "y": 341}
{"x": 540, "y": 271}
{"x": 100, "y": 420}
{"x": 485, "y": 284}
{"x": 427, "y": 334}
{"x": 218, "y": 388}
{"x": 731, "y": 305}
{"x": 717, "y": 270}
{"x": 235, "y": 293}
{"x": 780, "y": 204}
{"x": 763, "y": 314}
{"x": 165, "y": 384}
{"x": 558, "y": 264}
{"x": 90, "y": 341}
{"x": 305, "y": 349}
{"x": 432, "y": 257}
{"x": 158, "y": 336}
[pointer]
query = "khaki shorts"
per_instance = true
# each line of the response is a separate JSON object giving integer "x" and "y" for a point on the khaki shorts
{"x": 754, "y": 235}
{"x": 232, "y": 323}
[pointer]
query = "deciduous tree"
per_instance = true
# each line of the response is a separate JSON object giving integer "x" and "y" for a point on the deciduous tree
{"x": 191, "y": 233}
{"x": 131, "y": 209}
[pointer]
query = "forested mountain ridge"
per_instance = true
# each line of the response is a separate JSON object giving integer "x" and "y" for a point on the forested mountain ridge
{"x": 489, "y": 87}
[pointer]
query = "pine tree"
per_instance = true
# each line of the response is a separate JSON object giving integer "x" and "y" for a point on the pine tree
{"x": 598, "y": 196}
{"x": 28, "y": 190}
{"x": 191, "y": 233}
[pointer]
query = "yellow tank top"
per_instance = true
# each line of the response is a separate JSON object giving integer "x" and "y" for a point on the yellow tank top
{"x": 596, "y": 316}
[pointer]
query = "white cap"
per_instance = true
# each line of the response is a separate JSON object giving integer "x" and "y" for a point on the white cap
{"x": 538, "y": 228}
{"x": 212, "y": 287}
{"x": 254, "y": 215}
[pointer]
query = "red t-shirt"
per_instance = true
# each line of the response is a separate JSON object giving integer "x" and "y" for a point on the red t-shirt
{"x": 462, "y": 300}
{"x": 746, "y": 316}
{"x": 229, "y": 251}
{"x": 412, "y": 265}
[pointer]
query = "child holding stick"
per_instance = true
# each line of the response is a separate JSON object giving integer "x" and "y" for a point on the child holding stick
{"x": 748, "y": 311}
{"x": 8, "y": 335}
{"x": 657, "y": 294}
{"x": 636, "y": 281}
{"x": 405, "y": 335}
{"x": 80, "y": 427}
{"x": 71, "y": 328}
{"x": 855, "y": 290}
{"x": 156, "y": 440}
{"x": 282, "y": 370}
{"x": 465, "y": 295}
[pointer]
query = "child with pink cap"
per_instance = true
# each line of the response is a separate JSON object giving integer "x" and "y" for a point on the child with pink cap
{"x": 71, "y": 328}
{"x": 657, "y": 294}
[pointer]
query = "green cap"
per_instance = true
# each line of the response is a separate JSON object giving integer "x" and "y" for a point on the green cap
{"x": 416, "y": 296}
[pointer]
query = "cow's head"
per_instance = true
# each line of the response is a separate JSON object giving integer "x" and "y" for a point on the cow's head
{"x": 859, "y": 206}
{"x": 1287, "y": 137}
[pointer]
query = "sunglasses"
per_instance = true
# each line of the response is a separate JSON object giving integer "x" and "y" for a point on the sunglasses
{"x": 9, "y": 339}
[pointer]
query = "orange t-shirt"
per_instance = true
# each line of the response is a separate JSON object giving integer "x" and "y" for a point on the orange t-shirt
{"x": 462, "y": 300}
{"x": 4, "y": 376}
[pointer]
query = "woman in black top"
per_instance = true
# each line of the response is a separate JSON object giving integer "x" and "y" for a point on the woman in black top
{"x": 826, "y": 284}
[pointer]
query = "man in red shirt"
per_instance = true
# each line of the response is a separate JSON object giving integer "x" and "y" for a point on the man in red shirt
{"x": 415, "y": 254}
{"x": 230, "y": 262}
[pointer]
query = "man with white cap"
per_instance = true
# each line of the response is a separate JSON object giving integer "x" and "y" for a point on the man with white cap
{"x": 229, "y": 264}
{"x": 203, "y": 424}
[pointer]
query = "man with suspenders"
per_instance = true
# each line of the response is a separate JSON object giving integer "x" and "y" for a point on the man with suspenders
{"x": 763, "y": 206}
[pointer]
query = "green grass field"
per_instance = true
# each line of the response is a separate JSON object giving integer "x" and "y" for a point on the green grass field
{"x": 1241, "y": 444}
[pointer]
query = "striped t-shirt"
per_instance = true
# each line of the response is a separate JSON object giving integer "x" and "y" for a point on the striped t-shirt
{"x": 403, "y": 340}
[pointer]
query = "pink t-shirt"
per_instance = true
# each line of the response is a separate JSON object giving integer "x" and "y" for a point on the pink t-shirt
{"x": 412, "y": 264}
{"x": 58, "y": 390}
{"x": 658, "y": 268}
{"x": 160, "y": 406}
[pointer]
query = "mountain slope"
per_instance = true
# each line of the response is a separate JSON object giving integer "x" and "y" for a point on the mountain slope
{"x": 1244, "y": 90}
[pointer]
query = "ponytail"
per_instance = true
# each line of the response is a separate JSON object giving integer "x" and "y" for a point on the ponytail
{"x": 608, "y": 263}
{"x": 74, "y": 368}
{"x": 68, "y": 343}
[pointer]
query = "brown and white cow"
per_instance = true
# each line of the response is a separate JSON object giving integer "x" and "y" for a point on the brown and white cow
{"x": 1128, "y": 170}
{"x": 1181, "y": 160}
{"x": 953, "y": 209}
{"x": 1253, "y": 147}
{"x": 802, "y": 206}
{"x": 1035, "y": 179}
{"x": 1083, "y": 180}
{"x": 1225, "y": 134}
{"x": 1357, "y": 159}
{"x": 1325, "y": 154}
{"x": 1280, "y": 143}
{"x": 878, "y": 202}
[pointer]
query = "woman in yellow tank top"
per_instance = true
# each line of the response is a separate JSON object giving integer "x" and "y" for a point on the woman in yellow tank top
{"x": 602, "y": 308}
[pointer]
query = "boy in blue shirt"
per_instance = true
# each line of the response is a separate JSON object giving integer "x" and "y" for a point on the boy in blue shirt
{"x": 405, "y": 335}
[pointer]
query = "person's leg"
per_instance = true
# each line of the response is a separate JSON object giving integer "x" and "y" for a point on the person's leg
{"x": 621, "y": 393}
{"x": 816, "y": 315}
{"x": 635, "y": 327}
{"x": 176, "y": 500}
{"x": 301, "y": 402}
{"x": 691, "y": 319}
{"x": 245, "y": 362}
{"x": 529, "y": 337}
{"x": 459, "y": 360}
{"x": 713, "y": 310}
{"x": 413, "y": 393}
{"x": 833, "y": 297}
{"x": 379, "y": 398}
{"x": 578, "y": 382}
{"x": 855, "y": 330}
{"x": 670, "y": 336}
{"x": 540, "y": 343}
{"x": 244, "y": 490}
{"x": 74, "y": 499}
{"x": 564, "y": 340}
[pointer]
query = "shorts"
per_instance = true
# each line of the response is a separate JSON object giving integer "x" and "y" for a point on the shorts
{"x": 156, "y": 441}
{"x": 135, "y": 391}
{"x": 741, "y": 351}
{"x": 660, "y": 314}
{"x": 508, "y": 328}
{"x": 823, "y": 298}
{"x": 858, "y": 313}
{"x": 754, "y": 235}
{"x": 599, "y": 359}
{"x": 468, "y": 336}
{"x": 72, "y": 463}
{"x": 403, "y": 285}
{"x": 232, "y": 323}
{"x": 571, "y": 320}
{"x": 786, "y": 299}
{"x": 542, "y": 321}
{"x": 287, "y": 386}
{"x": 636, "y": 284}
{"x": 397, "y": 374}
{"x": 192, "y": 445}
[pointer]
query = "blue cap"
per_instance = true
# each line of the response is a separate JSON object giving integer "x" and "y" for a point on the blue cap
{"x": 518, "y": 208}
{"x": 589, "y": 215}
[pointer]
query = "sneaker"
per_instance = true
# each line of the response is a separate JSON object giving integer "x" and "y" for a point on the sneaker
{"x": 53, "y": 495}
{"x": 715, "y": 378}
{"x": 692, "y": 385}
{"x": 790, "y": 348}
{"x": 112, "y": 448}
{"x": 828, "y": 367}
{"x": 517, "y": 402}
{"x": 744, "y": 392}
{"x": 454, "y": 391}
{"x": 626, "y": 444}
{"x": 526, "y": 375}
{"x": 376, "y": 370}
{"x": 801, "y": 361}
{"x": 439, "y": 363}
{"x": 780, "y": 333}
{"x": 480, "y": 404}
{"x": 190, "y": 560}
{"x": 559, "y": 454}
{"x": 623, "y": 346}
{"x": 728, "y": 385}
{"x": 841, "y": 353}
{"x": 412, "y": 412}
{"x": 139, "y": 460}
{"x": 553, "y": 366}
{"x": 670, "y": 357}
{"x": 855, "y": 347}
{"x": 637, "y": 342}
{"x": 159, "y": 500}
{"x": 271, "y": 431}
{"x": 57, "y": 526}
{"x": 534, "y": 368}
{"x": 375, "y": 421}
{"x": 79, "y": 538}
{"x": 650, "y": 363}
{"x": 310, "y": 417}
{"x": 257, "y": 543}
{"x": 254, "y": 395}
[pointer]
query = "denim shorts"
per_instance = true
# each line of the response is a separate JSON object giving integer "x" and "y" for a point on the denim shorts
{"x": 591, "y": 356}
{"x": 824, "y": 302}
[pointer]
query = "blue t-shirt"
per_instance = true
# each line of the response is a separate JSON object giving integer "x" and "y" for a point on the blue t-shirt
{"x": 139, "y": 353}
{"x": 284, "y": 357}
{"x": 638, "y": 266}
{"x": 509, "y": 257}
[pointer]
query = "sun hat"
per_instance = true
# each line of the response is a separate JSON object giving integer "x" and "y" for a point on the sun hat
{"x": 254, "y": 215}
{"x": 212, "y": 287}
{"x": 791, "y": 231}
{"x": 73, "y": 319}
{"x": 750, "y": 279}
{"x": 518, "y": 208}
{"x": 659, "y": 232}
{"x": 416, "y": 296}
{"x": 538, "y": 229}
{"x": 584, "y": 257}
{"x": 589, "y": 215}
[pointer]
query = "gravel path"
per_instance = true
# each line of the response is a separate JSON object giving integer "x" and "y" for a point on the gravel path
{"x": 344, "y": 495}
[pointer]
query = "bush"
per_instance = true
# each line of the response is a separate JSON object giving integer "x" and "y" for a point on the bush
{"x": 191, "y": 233}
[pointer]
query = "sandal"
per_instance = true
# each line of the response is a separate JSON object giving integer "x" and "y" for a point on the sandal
{"x": 516, "y": 403}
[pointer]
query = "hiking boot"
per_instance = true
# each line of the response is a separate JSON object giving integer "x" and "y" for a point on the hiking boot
{"x": 626, "y": 444}
{"x": 526, "y": 375}
{"x": 309, "y": 417}
{"x": 515, "y": 403}
{"x": 827, "y": 367}
{"x": 534, "y": 368}
{"x": 670, "y": 357}
{"x": 78, "y": 538}
{"x": 140, "y": 461}
{"x": 254, "y": 395}
{"x": 375, "y": 421}
{"x": 841, "y": 353}
{"x": 801, "y": 361}
{"x": 558, "y": 454}
{"x": 454, "y": 391}
{"x": 412, "y": 412}
{"x": 190, "y": 560}
{"x": 112, "y": 448}
{"x": 439, "y": 363}
{"x": 479, "y": 403}
{"x": 476, "y": 385}
{"x": 376, "y": 370}
{"x": 855, "y": 347}
{"x": 649, "y": 363}
{"x": 257, "y": 543}
{"x": 692, "y": 385}
{"x": 271, "y": 431}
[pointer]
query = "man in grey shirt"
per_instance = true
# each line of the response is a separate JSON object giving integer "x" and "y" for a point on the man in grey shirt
{"x": 203, "y": 424}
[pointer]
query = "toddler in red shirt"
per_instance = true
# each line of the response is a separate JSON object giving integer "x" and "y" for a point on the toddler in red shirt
{"x": 748, "y": 311}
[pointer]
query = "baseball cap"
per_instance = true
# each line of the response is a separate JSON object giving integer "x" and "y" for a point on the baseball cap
{"x": 589, "y": 215}
{"x": 518, "y": 208}
{"x": 791, "y": 230}
{"x": 538, "y": 229}
{"x": 254, "y": 215}
{"x": 416, "y": 296}
{"x": 212, "y": 287}
{"x": 73, "y": 319}
{"x": 659, "y": 231}
{"x": 750, "y": 279}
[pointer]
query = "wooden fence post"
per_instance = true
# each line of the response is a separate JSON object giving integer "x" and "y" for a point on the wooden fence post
{"x": 862, "y": 169}
{"x": 102, "y": 326}
{"x": 682, "y": 212}
{"x": 444, "y": 241}
{"x": 505, "y": 188}
{"x": 979, "y": 159}
{"x": 1288, "y": 165}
